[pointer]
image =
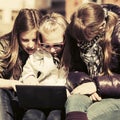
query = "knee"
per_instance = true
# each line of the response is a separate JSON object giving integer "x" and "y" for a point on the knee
{"x": 34, "y": 114}
{"x": 71, "y": 103}
{"x": 5, "y": 94}
{"x": 77, "y": 103}
{"x": 2, "y": 93}
{"x": 54, "y": 115}
{"x": 6, "y": 111}
{"x": 5, "y": 99}
{"x": 72, "y": 100}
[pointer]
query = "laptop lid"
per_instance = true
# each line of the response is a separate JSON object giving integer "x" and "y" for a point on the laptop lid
{"x": 41, "y": 97}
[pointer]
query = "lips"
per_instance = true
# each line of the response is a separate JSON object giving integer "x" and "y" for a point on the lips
{"x": 30, "y": 51}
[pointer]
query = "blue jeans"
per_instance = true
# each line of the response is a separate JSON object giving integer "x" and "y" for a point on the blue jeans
{"x": 106, "y": 109}
{"x": 34, "y": 114}
{"x": 6, "y": 112}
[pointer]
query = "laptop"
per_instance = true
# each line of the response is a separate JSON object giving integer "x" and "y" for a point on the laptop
{"x": 41, "y": 97}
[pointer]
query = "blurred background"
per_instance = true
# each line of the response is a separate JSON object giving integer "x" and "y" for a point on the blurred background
{"x": 10, "y": 8}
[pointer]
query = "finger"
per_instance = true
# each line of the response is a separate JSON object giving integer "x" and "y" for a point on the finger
{"x": 93, "y": 97}
{"x": 98, "y": 97}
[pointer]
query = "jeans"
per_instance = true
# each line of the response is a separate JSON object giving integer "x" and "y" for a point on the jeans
{"x": 6, "y": 112}
{"x": 106, "y": 109}
{"x": 34, "y": 114}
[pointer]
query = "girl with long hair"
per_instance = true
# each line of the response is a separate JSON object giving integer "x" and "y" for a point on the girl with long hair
{"x": 93, "y": 50}
{"x": 15, "y": 47}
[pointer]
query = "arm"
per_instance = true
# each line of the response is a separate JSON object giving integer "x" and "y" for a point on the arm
{"x": 29, "y": 74}
{"x": 9, "y": 84}
{"x": 83, "y": 84}
{"x": 108, "y": 86}
{"x": 80, "y": 82}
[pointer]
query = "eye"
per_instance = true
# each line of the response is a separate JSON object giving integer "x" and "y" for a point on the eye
{"x": 58, "y": 46}
{"x": 47, "y": 46}
{"x": 25, "y": 40}
{"x": 34, "y": 40}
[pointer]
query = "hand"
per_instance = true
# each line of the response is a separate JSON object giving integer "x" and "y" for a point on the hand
{"x": 95, "y": 97}
{"x": 14, "y": 83}
{"x": 85, "y": 88}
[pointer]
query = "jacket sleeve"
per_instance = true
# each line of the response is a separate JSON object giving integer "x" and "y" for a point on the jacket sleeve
{"x": 3, "y": 49}
{"x": 108, "y": 86}
{"x": 77, "y": 78}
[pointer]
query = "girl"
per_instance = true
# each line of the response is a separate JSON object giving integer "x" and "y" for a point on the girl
{"x": 92, "y": 47}
{"x": 15, "y": 47}
{"x": 43, "y": 67}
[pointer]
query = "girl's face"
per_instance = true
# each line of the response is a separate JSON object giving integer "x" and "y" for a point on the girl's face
{"x": 52, "y": 42}
{"x": 28, "y": 41}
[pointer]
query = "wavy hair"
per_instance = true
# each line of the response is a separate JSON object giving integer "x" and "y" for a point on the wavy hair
{"x": 27, "y": 19}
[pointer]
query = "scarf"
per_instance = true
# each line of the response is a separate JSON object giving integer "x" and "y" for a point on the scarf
{"x": 92, "y": 54}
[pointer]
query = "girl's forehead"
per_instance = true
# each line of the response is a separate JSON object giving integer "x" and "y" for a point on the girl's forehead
{"x": 28, "y": 33}
{"x": 52, "y": 38}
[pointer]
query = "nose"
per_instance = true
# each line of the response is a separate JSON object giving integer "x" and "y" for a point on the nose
{"x": 31, "y": 44}
{"x": 52, "y": 50}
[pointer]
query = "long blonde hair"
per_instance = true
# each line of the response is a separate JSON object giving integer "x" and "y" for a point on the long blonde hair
{"x": 27, "y": 19}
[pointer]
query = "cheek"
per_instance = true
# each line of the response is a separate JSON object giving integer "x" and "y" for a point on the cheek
{"x": 23, "y": 45}
{"x": 58, "y": 51}
{"x": 35, "y": 43}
